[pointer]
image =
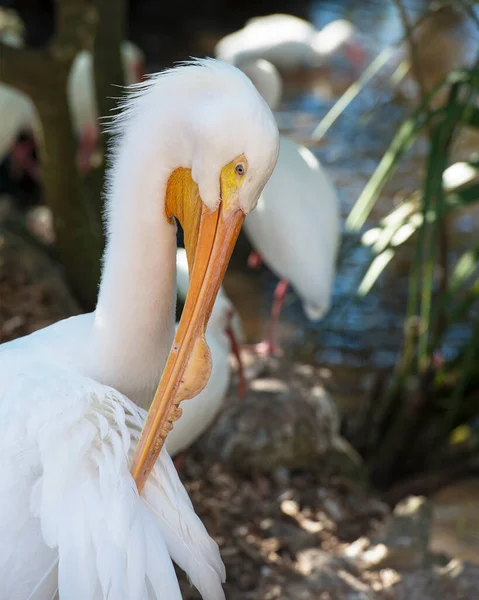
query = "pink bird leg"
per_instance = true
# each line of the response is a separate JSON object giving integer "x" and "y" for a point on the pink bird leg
{"x": 268, "y": 346}
{"x": 89, "y": 136}
{"x": 235, "y": 349}
{"x": 254, "y": 260}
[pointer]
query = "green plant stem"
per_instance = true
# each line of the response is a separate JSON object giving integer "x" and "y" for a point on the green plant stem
{"x": 467, "y": 370}
{"x": 401, "y": 143}
{"x": 428, "y": 233}
{"x": 392, "y": 439}
{"x": 350, "y": 94}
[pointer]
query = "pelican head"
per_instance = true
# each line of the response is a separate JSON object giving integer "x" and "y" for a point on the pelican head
{"x": 212, "y": 144}
{"x": 315, "y": 312}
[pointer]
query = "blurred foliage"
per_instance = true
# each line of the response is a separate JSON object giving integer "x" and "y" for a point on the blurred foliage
{"x": 411, "y": 425}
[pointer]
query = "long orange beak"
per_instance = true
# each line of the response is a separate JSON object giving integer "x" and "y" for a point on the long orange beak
{"x": 189, "y": 364}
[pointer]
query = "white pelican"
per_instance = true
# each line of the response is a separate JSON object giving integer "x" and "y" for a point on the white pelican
{"x": 290, "y": 43}
{"x": 17, "y": 112}
{"x": 82, "y": 97}
{"x": 81, "y": 85}
{"x": 17, "y": 115}
{"x": 296, "y": 231}
{"x": 196, "y": 142}
{"x": 295, "y": 228}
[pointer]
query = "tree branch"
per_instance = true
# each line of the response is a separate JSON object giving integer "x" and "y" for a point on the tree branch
{"x": 413, "y": 53}
{"x": 108, "y": 66}
{"x": 76, "y": 22}
{"x": 23, "y": 68}
{"x": 107, "y": 72}
{"x": 35, "y": 71}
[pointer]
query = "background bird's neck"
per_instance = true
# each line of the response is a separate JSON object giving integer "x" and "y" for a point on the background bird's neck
{"x": 134, "y": 318}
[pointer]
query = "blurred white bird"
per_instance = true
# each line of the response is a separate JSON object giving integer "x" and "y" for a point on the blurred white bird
{"x": 267, "y": 80}
{"x": 81, "y": 85}
{"x": 18, "y": 114}
{"x": 82, "y": 97}
{"x": 291, "y": 43}
{"x": 295, "y": 228}
{"x": 72, "y": 523}
{"x": 296, "y": 231}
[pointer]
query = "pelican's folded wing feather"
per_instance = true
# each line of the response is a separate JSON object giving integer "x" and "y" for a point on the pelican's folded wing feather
{"x": 68, "y": 504}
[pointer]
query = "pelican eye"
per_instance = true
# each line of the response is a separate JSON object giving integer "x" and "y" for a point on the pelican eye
{"x": 240, "y": 169}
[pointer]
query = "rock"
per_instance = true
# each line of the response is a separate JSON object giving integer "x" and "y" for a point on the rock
{"x": 403, "y": 540}
{"x": 291, "y": 538}
{"x": 323, "y": 565}
{"x": 455, "y": 581}
{"x": 285, "y": 421}
{"x": 321, "y": 576}
{"x": 455, "y": 527}
{"x": 324, "y": 577}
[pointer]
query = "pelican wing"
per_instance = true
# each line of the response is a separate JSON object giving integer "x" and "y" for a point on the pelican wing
{"x": 71, "y": 519}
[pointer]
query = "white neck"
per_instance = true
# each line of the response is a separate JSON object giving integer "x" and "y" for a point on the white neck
{"x": 134, "y": 318}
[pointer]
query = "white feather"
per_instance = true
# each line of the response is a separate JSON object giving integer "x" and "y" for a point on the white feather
{"x": 106, "y": 536}
{"x": 266, "y": 79}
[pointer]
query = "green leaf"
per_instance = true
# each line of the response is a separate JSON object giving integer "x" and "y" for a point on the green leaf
{"x": 375, "y": 269}
{"x": 466, "y": 266}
